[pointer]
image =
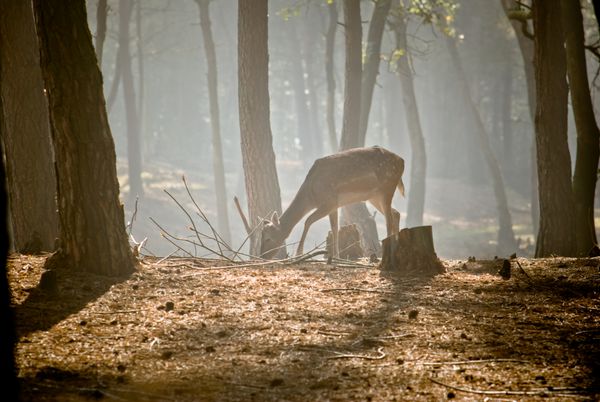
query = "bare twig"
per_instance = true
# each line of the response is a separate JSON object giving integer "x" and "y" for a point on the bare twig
{"x": 538, "y": 392}
{"x": 357, "y": 290}
{"x": 130, "y": 223}
{"x": 244, "y": 220}
{"x": 380, "y": 355}
{"x": 462, "y": 362}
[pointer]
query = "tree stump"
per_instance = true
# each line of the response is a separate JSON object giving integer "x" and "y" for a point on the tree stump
{"x": 348, "y": 243}
{"x": 411, "y": 252}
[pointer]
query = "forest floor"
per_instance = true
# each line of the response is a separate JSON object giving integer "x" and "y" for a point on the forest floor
{"x": 185, "y": 329}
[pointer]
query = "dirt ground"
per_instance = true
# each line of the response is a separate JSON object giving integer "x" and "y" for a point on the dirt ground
{"x": 199, "y": 330}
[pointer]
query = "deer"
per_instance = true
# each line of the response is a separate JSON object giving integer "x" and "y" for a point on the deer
{"x": 360, "y": 174}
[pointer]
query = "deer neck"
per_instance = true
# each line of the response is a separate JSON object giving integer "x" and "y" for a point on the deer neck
{"x": 294, "y": 213}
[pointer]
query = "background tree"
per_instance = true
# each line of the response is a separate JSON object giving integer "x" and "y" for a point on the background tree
{"x": 262, "y": 184}
{"x": 101, "y": 16}
{"x": 215, "y": 120}
{"x": 557, "y": 218}
{"x": 26, "y": 132}
{"x": 92, "y": 225}
{"x": 418, "y": 166}
{"x": 330, "y": 76}
{"x": 588, "y": 146}
{"x": 134, "y": 156}
{"x": 350, "y": 138}
{"x": 506, "y": 236}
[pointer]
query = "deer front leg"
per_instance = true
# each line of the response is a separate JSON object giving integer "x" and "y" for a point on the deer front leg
{"x": 312, "y": 218}
{"x": 333, "y": 220}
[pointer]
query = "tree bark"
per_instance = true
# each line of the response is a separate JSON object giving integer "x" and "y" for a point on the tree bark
{"x": 215, "y": 121}
{"x": 506, "y": 236}
{"x": 330, "y": 76}
{"x": 92, "y": 223}
{"x": 418, "y": 168}
{"x": 556, "y": 235}
{"x": 371, "y": 68}
{"x": 134, "y": 152}
{"x": 262, "y": 184}
{"x": 588, "y": 150}
{"x": 26, "y": 133}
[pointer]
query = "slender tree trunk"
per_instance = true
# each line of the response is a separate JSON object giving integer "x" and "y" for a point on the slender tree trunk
{"x": 92, "y": 222}
{"x": 134, "y": 152}
{"x": 215, "y": 121}
{"x": 26, "y": 132}
{"x": 371, "y": 68}
{"x": 303, "y": 128}
{"x": 141, "y": 99}
{"x": 527, "y": 52}
{"x": 312, "y": 37}
{"x": 506, "y": 236}
{"x": 557, "y": 217}
{"x": 101, "y": 12}
{"x": 262, "y": 184}
{"x": 588, "y": 150}
{"x": 418, "y": 168}
{"x": 355, "y": 213}
{"x": 329, "y": 71}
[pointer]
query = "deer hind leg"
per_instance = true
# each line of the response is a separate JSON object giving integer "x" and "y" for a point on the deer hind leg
{"x": 333, "y": 220}
{"x": 392, "y": 216}
{"x": 312, "y": 218}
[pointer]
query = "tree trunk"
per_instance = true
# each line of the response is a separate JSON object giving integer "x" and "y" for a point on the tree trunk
{"x": 7, "y": 333}
{"x": 26, "y": 133}
{"x": 418, "y": 168}
{"x": 329, "y": 71}
{"x": 215, "y": 121}
{"x": 356, "y": 213}
{"x": 557, "y": 217}
{"x": 371, "y": 68}
{"x": 92, "y": 223}
{"x": 312, "y": 37}
{"x": 506, "y": 236}
{"x": 586, "y": 164}
{"x": 134, "y": 155}
{"x": 262, "y": 184}
{"x": 304, "y": 135}
{"x": 353, "y": 72}
{"x": 101, "y": 12}
{"x": 527, "y": 52}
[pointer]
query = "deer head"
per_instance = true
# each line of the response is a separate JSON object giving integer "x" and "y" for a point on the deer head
{"x": 272, "y": 237}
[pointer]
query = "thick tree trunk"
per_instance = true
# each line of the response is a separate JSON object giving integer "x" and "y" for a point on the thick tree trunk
{"x": 356, "y": 213}
{"x": 330, "y": 76}
{"x": 215, "y": 121}
{"x": 134, "y": 150}
{"x": 262, "y": 184}
{"x": 557, "y": 217}
{"x": 588, "y": 146}
{"x": 506, "y": 236}
{"x": 418, "y": 168}
{"x": 26, "y": 133}
{"x": 92, "y": 223}
{"x": 371, "y": 68}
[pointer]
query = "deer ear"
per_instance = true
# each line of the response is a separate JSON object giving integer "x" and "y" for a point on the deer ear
{"x": 275, "y": 219}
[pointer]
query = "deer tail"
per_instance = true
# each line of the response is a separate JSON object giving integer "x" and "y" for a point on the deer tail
{"x": 401, "y": 187}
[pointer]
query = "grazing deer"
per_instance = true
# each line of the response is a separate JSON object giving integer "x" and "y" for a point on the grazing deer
{"x": 359, "y": 174}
